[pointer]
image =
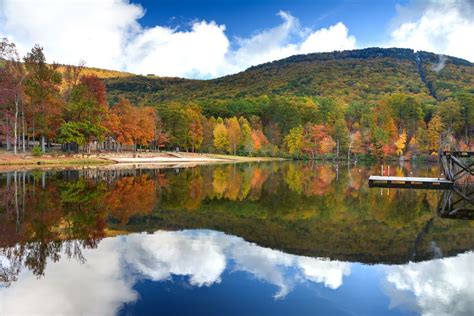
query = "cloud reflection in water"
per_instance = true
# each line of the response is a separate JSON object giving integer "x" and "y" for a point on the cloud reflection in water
{"x": 106, "y": 280}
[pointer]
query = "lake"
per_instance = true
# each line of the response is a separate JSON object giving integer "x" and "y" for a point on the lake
{"x": 273, "y": 238}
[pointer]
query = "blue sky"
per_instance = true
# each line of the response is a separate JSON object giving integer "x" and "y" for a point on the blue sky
{"x": 244, "y": 17}
{"x": 212, "y": 38}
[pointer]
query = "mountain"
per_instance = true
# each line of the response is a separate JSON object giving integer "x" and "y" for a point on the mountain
{"x": 365, "y": 74}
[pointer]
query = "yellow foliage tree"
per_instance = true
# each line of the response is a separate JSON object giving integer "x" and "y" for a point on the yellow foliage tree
{"x": 221, "y": 137}
{"x": 234, "y": 133}
{"x": 400, "y": 144}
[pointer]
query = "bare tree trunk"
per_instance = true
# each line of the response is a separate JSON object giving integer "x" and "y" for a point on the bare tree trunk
{"x": 23, "y": 197}
{"x": 349, "y": 149}
{"x": 43, "y": 144}
{"x": 15, "y": 126}
{"x": 17, "y": 210}
{"x": 466, "y": 134}
{"x": 23, "y": 132}
{"x": 34, "y": 133}
{"x": 8, "y": 132}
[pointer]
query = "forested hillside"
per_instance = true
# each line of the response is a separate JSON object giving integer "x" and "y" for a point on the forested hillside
{"x": 366, "y": 75}
{"x": 376, "y": 101}
{"x": 373, "y": 102}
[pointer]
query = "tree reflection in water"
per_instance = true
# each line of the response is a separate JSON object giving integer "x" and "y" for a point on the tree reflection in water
{"x": 318, "y": 210}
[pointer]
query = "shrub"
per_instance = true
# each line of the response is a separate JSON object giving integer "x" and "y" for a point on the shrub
{"x": 37, "y": 151}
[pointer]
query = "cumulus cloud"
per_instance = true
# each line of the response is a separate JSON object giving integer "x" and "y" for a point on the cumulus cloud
{"x": 70, "y": 288}
{"x": 108, "y": 34}
{"x": 204, "y": 255}
{"x": 106, "y": 280}
{"x": 437, "y": 287}
{"x": 163, "y": 254}
{"x": 444, "y": 27}
{"x": 96, "y": 31}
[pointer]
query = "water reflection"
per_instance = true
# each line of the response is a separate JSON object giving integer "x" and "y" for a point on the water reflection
{"x": 437, "y": 287}
{"x": 317, "y": 210}
{"x": 107, "y": 281}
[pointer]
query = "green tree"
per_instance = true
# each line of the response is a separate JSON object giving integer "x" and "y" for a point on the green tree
{"x": 466, "y": 102}
{"x": 246, "y": 140}
{"x": 175, "y": 123}
{"x": 340, "y": 134}
{"x": 433, "y": 135}
{"x": 87, "y": 112}
{"x": 407, "y": 113}
{"x": 71, "y": 132}
{"x": 450, "y": 113}
{"x": 42, "y": 86}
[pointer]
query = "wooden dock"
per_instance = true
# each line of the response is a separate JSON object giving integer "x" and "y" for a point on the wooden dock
{"x": 410, "y": 183}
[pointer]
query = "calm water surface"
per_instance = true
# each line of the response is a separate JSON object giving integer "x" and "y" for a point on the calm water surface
{"x": 276, "y": 238}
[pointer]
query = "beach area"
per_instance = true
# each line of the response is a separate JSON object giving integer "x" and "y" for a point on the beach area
{"x": 149, "y": 159}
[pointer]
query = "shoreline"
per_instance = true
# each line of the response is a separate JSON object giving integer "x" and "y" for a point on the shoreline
{"x": 9, "y": 161}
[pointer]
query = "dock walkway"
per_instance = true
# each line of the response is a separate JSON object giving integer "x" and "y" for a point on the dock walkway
{"x": 410, "y": 182}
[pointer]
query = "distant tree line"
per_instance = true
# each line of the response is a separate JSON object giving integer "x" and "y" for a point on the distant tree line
{"x": 43, "y": 103}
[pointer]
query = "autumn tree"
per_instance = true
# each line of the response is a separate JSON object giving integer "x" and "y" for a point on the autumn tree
{"x": 383, "y": 131}
{"x": 259, "y": 140}
{"x": 145, "y": 124}
{"x": 125, "y": 128}
{"x": 71, "y": 76}
{"x": 12, "y": 76}
{"x": 400, "y": 144}
{"x": 340, "y": 133}
{"x": 162, "y": 138}
{"x": 294, "y": 141}
{"x": 85, "y": 113}
{"x": 221, "y": 137}
{"x": 407, "y": 113}
{"x": 234, "y": 133}
{"x": 42, "y": 87}
{"x": 246, "y": 140}
{"x": 195, "y": 129}
{"x": 430, "y": 139}
{"x": 208, "y": 125}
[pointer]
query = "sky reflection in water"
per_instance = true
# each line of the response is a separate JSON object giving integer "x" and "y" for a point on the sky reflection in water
{"x": 134, "y": 273}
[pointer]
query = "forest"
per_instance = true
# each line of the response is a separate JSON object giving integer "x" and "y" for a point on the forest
{"x": 372, "y": 103}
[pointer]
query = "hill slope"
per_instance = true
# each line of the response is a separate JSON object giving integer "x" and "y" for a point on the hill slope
{"x": 365, "y": 74}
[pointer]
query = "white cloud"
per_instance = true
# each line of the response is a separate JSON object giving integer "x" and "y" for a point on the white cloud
{"x": 199, "y": 52}
{"x": 444, "y": 27}
{"x": 106, "y": 280}
{"x": 438, "y": 287}
{"x": 333, "y": 38}
{"x": 203, "y": 256}
{"x": 69, "y": 288}
{"x": 96, "y": 31}
{"x": 107, "y": 34}
{"x": 330, "y": 273}
{"x": 163, "y": 254}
